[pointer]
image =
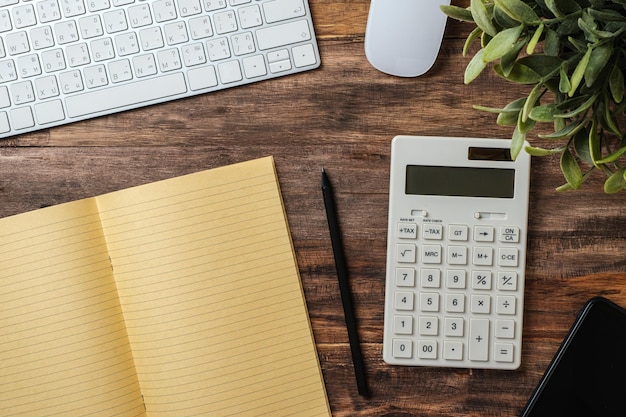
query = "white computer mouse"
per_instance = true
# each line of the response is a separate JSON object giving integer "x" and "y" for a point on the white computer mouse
{"x": 403, "y": 37}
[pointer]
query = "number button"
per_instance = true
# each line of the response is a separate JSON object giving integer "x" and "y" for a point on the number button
{"x": 402, "y": 348}
{"x": 454, "y": 326}
{"x": 455, "y": 278}
{"x": 431, "y": 278}
{"x": 405, "y": 277}
{"x": 403, "y": 325}
{"x": 404, "y": 301}
{"x": 455, "y": 303}
{"x": 427, "y": 349}
{"x": 428, "y": 326}
{"x": 429, "y": 301}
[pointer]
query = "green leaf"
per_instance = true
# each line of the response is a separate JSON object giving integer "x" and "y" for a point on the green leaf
{"x": 579, "y": 71}
{"x": 475, "y": 67}
{"x": 564, "y": 83}
{"x": 531, "y": 102}
{"x": 519, "y": 74}
{"x": 543, "y": 65}
{"x": 544, "y": 113}
{"x": 518, "y": 10}
{"x": 616, "y": 182}
{"x": 565, "y": 132}
{"x": 482, "y": 17}
{"x": 594, "y": 144}
{"x": 532, "y": 44}
{"x": 598, "y": 59}
{"x": 560, "y": 8}
{"x": 607, "y": 120}
{"x": 589, "y": 100}
{"x": 535, "y": 151}
{"x": 458, "y": 13}
{"x": 517, "y": 143}
{"x": 552, "y": 43}
{"x": 571, "y": 171}
{"x": 502, "y": 43}
{"x": 474, "y": 34}
{"x": 616, "y": 84}
{"x": 507, "y": 62}
{"x": 581, "y": 146}
{"x": 613, "y": 157}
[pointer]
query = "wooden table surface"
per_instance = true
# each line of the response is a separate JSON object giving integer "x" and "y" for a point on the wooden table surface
{"x": 343, "y": 116}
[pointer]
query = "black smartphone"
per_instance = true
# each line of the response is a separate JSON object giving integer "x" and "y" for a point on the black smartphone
{"x": 587, "y": 376}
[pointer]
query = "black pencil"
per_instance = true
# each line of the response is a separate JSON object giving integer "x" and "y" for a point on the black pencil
{"x": 344, "y": 285}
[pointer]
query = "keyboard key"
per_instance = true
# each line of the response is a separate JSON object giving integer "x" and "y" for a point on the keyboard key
{"x": 49, "y": 111}
{"x": 281, "y": 35}
{"x": 402, "y": 348}
{"x": 22, "y": 118}
{"x": 202, "y": 78}
{"x": 427, "y": 349}
{"x": 120, "y": 96}
{"x": 278, "y": 10}
{"x": 453, "y": 350}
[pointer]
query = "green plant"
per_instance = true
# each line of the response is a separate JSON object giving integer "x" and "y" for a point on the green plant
{"x": 573, "y": 53}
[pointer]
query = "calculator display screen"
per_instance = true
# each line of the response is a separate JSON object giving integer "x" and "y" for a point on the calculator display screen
{"x": 460, "y": 181}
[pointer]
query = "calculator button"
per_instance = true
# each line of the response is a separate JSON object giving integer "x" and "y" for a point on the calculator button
{"x": 455, "y": 303}
{"x": 427, "y": 349}
{"x": 503, "y": 352}
{"x": 509, "y": 234}
{"x": 429, "y": 301}
{"x": 454, "y": 326}
{"x": 402, "y": 348}
{"x": 430, "y": 278}
{"x": 407, "y": 252}
{"x": 457, "y": 255}
{"x": 505, "y": 329}
{"x": 480, "y": 303}
{"x": 508, "y": 257}
{"x": 507, "y": 281}
{"x": 432, "y": 231}
{"x": 404, "y": 301}
{"x": 483, "y": 233}
{"x": 458, "y": 232}
{"x": 505, "y": 304}
{"x": 431, "y": 254}
{"x": 403, "y": 324}
{"x": 481, "y": 280}
{"x": 428, "y": 326}
{"x": 405, "y": 277}
{"x": 407, "y": 230}
{"x": 453, "y": 350}
{"x": 479, "y": 340}
{"x": 455, "y": 278}
{"x": 482, "y": 256}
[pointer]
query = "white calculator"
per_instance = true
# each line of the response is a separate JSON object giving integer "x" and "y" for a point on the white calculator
{"x": 456, "y": 250}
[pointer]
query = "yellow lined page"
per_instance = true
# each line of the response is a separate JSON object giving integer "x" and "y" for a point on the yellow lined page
{"x": 63, "y": 345}
{"x": 212, "y": 297}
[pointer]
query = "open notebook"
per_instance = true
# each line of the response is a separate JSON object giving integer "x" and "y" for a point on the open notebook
{"x": 176, "y": 298}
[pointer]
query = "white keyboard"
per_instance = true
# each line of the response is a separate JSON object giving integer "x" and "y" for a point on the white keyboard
{"x": 67, "y": 60}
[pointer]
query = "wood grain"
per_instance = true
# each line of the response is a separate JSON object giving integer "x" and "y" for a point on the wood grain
{"x": 343, "y": 116}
